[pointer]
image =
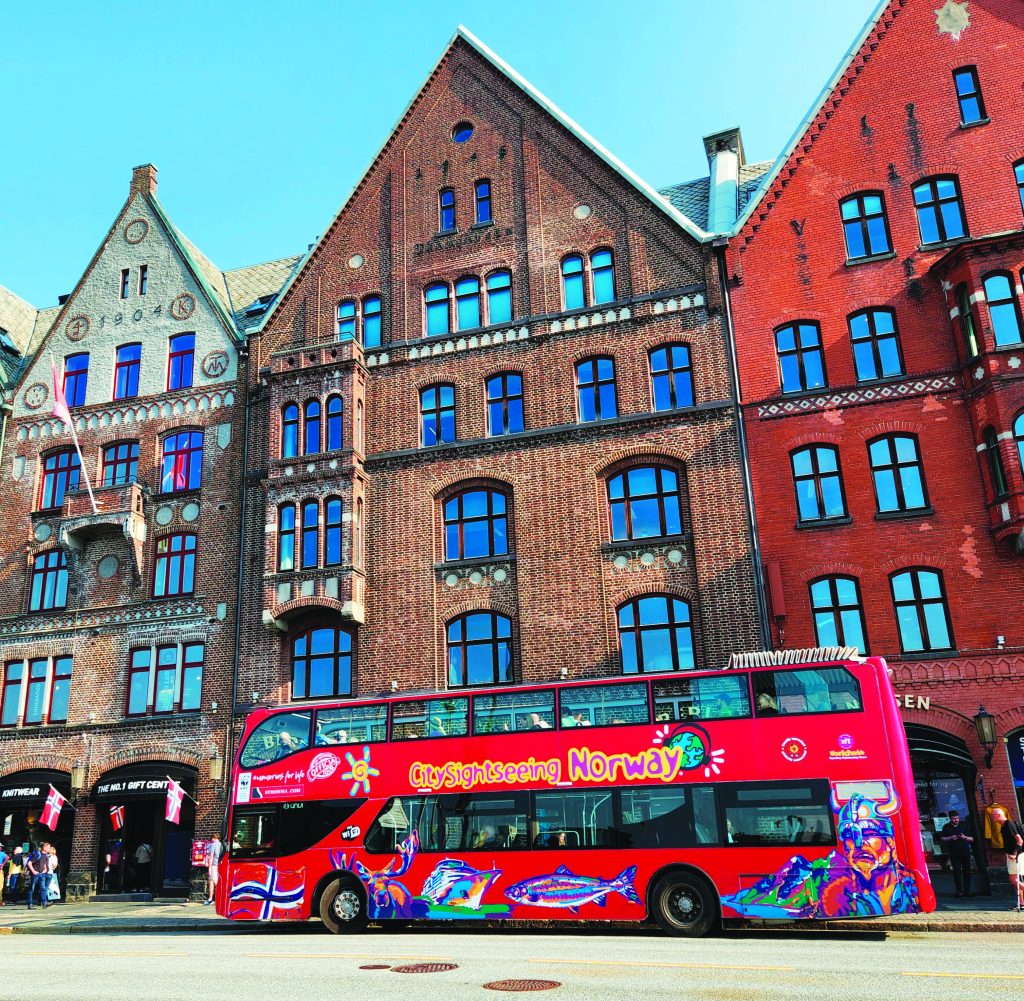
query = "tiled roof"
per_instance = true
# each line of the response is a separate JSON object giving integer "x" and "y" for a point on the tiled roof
{"x": 17, "y": 317}
{"x": 751, "y": 176}
{"x": 247, "y": 287}
{"x": 25, "y": 327}
{"x": 691, "y": 197}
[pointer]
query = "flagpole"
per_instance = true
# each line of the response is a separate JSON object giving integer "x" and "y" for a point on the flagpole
{"x": 60, "y": 410}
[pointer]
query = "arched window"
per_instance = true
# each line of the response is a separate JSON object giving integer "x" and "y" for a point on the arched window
{"x": 334, "y": 422}
{"x": 864, "y": 225}
{"x": 371, "y": 321}
{"x": 922, "y": 616}
{"x": 818, "y": 481}
{"x": 573, "y": 282}
{"x": 479, "y": 649}
{"x": 49, "y": 587}
{"x": 467, "y": 302}
{"x": 801, "y": 358}
{"x": 358, "y": 440}
{"x": 645, "y": 503}
{"x": 602, "y": 276}
{"x": 897, "y": 473}
{"x": 76, "y": 378}
{"x": 838, "y": 612}
{"x": 182, "y": 467}
{"x": 996, "y": 472}
{"x": 446, "y": 210}
{"x": 175, "y": 571}
{"x": 437, "y": 415}
{"x": 655, "y": 635}
{"x": 310, "y": 534}
{"x": 1018, "y": 434}
{"x": 671, "y": 377}
{"x": 1003, "y": 310}
{"x": 876, "y": 344}
{"x": 311, "y": 429}
{"x": 435, "y": 298}
{"x": 940, "y": 213}
{"x": 483, "y": 201}
{"x": 499, "y": 297}
{"x": 289, "y": 431}
{"x": 966, "y": 315}
{"x": 505, "y": 404}
{"x": 321, "y": 663}
{"x": 346, "y": 319}
{"x": 475, "y": 525}
{"x": 332, "y": 531}
{"x": 120, "y": 463}
{"x": 60, "y": 474}
{"x": 595, "y": 389}
{"x": 286, "y": 537}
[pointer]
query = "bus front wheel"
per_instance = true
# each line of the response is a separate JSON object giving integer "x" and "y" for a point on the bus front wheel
{"x": 343, "y": 907}
{"x": 684, "y": 903}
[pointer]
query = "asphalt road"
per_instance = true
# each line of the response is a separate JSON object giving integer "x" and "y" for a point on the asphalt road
{"x": 280, "y": 964}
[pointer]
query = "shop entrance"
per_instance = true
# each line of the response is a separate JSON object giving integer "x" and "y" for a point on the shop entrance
{"x": 140, "y": 851}
{"x": 22, "y": 797}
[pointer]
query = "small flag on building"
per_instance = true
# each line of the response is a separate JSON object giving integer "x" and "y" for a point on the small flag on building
{"x": 117, "y": 817}
{"x": 51, "y": 812}
{"x": 175, "y": 795}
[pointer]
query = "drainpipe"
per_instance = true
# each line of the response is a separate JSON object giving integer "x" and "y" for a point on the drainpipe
{"x": 741, "y": 437}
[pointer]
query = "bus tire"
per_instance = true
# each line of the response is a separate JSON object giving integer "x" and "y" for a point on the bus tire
{"x": 343, "y": 906}
{"x": 684, "y": 903}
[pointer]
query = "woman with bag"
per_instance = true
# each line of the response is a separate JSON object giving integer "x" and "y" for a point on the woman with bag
{"x": 53, "y": 889}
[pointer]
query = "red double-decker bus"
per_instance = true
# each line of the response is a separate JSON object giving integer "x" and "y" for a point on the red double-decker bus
{"x": 769, "y": 790}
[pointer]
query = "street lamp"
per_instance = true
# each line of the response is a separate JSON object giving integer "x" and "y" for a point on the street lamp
{"x": 216, "y": 767}
{"x": 77, "y": 775}
{"x": 985, "y": 724}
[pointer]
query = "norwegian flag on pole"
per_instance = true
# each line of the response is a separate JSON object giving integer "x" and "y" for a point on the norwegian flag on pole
{"x": 117, "y": 817}
{"x": 175, "y": 795}
{"x": 51, "y": 812}
{"x": 60, "y": 401}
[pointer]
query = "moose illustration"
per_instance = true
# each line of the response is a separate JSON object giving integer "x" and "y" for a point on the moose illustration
{"x": 387, "y": 897}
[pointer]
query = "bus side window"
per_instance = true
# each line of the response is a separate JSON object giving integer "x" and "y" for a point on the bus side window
{"x": 603, "y": 705}
{"x": 254, "y": 833}
{"x": 813, "y": 690}
{"x": 430, "y": 718}
{"x": 776, "y": 813}
{"x": 513, "y": 712}
{"x": 490, "y": 821}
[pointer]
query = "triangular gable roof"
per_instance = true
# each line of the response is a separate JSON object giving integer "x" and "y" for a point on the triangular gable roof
{"x": 463, "y": 33}
{"x": 797, "y": 139}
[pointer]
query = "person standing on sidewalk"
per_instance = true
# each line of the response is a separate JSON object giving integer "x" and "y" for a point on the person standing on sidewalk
{"x": 53, "y": 865}
{"x": 14, "y": 871}
{"x": 37, "y": 876}
{"x": 143, "y": 866}
{"x": 5, "y": 857}
{"x": 214, "y": 851}
{"x": 1013, "y": 845}
{"x": 958, "y": 839}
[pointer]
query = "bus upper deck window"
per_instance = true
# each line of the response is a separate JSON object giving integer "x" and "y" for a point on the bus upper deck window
{"x": 807, "y": 691}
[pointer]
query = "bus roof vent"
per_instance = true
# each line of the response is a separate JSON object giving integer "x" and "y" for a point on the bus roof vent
{"x": 780, "y": 658}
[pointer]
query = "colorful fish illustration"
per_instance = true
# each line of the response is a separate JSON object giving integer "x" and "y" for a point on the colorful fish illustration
{"x": 454, "y": 883}
{"x": 563, "y": 888}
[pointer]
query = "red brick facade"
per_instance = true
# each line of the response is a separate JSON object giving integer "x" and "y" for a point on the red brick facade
{"x": 891, "y": 122}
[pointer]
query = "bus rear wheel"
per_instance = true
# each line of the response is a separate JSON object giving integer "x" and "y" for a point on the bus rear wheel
{"x": 343, "y": 907}
{"x": 684, "y": 903}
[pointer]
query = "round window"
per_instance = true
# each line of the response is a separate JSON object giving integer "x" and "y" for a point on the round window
{"x": 462, "y": 132}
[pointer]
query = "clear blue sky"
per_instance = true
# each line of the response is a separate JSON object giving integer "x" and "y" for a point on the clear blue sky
{"x": 261, "y": 117}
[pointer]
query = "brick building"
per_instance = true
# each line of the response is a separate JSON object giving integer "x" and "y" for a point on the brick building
{"x": 117, "y": 631}
{"x": 876, "y": 291}
{"x": 500, "y": 441}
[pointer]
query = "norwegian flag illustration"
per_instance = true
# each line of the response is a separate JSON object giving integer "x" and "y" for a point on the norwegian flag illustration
{"x": 51, "y": 812}
{"x": 175, "y": 794}
{"x": 259, "y": 892}
{"x": 117, "y": 817}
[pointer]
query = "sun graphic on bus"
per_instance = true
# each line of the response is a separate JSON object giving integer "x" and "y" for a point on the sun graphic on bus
{"x": 695, "y": 744}
{"x": 360, "y": 771}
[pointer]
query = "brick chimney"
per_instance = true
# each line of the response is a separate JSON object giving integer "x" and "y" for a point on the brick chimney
{"x": 143, "y": 180}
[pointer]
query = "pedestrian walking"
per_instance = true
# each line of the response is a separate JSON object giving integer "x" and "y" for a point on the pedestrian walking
{"x": 53, "y": 885}
{"x": 143, "y": 865}
{"x": 37, "y": 876}
{"x": 14, "y": 873}
{"x": 958, "y": 839}
{"x": 1013, "y": 844}
{"x": 5, "y": 857}
{"x": 214, "y": 851}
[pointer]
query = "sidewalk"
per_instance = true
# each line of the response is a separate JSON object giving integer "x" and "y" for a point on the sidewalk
{"x": 977, "y": 914}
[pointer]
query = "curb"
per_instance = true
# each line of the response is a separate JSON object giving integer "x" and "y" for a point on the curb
{"x": 113, "y": 929}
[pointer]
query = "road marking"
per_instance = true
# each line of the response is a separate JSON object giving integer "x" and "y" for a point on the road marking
{"x": 681, "y": 966}
{"x": 969, "y": 976}
{"x": 341, "y": 955}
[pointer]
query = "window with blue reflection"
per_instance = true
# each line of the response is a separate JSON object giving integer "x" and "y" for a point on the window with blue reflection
{"x": 49, "y": 581}
{"x": 602, "y": 274}
{"x": 126, "y": 371}
{"x": 479, "y": 649}
{"x": 968, "y": 95}
{"x": 76, "y": 378}
{"x": 818, "y": 482}
{"x": 435, "y": 298}
{"x": 446, "y": 210}
{"x": 1018, "y": 434}
{"x": 483, "y": 202}
{"x": 321, "y": 663}
{"x": 876, "y": 344}
{"x": 467, "y": 303}
{"x": 499, "y": 297}
{"x": 573, "y": 282}
{"x": 940, "y": 213}
{"x": 838, "y": 613}
{"x": 289, "y": 431}
{"x": 371, "y": 321}
{"x": 505, "y": 404}
{"x": 437, "y": 415}
{"x": 1018, "y": 175}
{"x": 1003, "y": 310}
{"x": 898, "y": 473}
{"x": 645, "y": 503}
{"x": 346, "y": 320}
{"x": 922, "y": 616}
{"x": 311, "y": 429}
{"x": 310, "y": 534}
{"x": 334, "y": 422}
{"x": 476, "y": 525}
{"x": 595, "y": 389}
{"x": 655, "y": 635}
{"x": 671, "y": 377}
{"x": 801, "y": 358}
{"x": 61, "y": 690}
{"x": 864, "y": 225}
{"x": 286, "y": 537}
{"x": 332, "y": 531}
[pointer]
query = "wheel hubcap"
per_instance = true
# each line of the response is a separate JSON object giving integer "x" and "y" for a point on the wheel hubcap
{"x": 683, "y": 904}
{"x": 346, "y": 905}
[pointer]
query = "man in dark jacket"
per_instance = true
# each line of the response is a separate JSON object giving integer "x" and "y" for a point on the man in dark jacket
{"x": 1013, "y": 845}
{"x": 37, "y": 877}
{"x": 958, "y": 840}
